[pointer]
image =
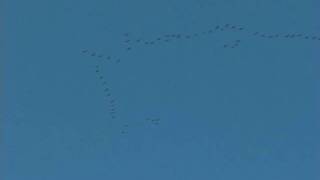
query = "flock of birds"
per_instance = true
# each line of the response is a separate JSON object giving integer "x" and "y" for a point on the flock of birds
{"x": 174, "y": 37}
{"x": 107, "y": 92}
{"x": 101, "y": 56}
{"x": 110, "y": 99}
{"x": 135, "y": 43}
{"x": 132, "y": 43}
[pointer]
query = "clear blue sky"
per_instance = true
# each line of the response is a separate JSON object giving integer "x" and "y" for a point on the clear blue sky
{"x": 229, "y": 91}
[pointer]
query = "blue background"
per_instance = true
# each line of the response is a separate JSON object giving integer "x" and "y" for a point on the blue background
{"x": 251, "y": 112}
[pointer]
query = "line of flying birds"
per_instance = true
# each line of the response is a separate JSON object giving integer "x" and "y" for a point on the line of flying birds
{"x": 133, "y": 43}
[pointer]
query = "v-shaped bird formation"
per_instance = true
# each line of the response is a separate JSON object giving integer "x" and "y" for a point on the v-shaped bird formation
{"x": 131, "y": 43}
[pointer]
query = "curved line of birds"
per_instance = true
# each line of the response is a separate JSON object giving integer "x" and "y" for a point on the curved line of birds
{"x": 132, "y": 43}
{"x": 107, "y": 92}
{"x": 173, "y": 37}
{"x": 112, "y": 102}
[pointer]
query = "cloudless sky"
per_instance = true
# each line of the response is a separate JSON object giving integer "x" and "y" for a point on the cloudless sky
{"x": 192, "y": 108}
